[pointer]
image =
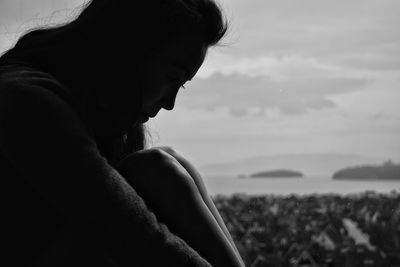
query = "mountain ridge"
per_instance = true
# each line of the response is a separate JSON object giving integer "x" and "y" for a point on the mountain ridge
{"x": 307, "y": 163}
{"x": 387, "y": 171}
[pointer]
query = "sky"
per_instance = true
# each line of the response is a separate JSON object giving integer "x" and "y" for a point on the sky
{"x": 310, "y": 76}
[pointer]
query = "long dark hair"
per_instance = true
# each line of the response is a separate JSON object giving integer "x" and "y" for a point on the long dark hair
{"x": 106, "y": 33}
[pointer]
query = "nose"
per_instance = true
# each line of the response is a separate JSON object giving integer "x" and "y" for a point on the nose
{"x": 168, "y": 105}
{"x": 169, "y": 102}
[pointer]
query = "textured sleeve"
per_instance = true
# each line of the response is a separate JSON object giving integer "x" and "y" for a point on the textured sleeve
{"x": 48, "y": 144}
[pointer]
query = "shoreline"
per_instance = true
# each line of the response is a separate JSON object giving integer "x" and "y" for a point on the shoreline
{"x": 296, "y": 195}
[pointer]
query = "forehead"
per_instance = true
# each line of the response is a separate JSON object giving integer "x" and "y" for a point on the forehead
{"x": 187, "y": 51}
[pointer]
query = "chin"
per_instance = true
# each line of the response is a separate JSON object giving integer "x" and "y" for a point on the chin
{"x": 142, "y": 119}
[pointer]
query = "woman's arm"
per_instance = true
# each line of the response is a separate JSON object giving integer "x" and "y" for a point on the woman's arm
{"x": 48, "y": 144}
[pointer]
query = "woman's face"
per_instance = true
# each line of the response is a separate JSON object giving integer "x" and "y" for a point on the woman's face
{"x": 167, "y": 70}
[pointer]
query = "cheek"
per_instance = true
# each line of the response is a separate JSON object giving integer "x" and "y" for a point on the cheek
{"x": 156, "y": 88}
{"x": 154, "y": 95}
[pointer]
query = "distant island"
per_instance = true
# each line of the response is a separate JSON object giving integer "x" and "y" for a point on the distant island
{"x": 387, "y": 171}
{"x": 274, "y": 174}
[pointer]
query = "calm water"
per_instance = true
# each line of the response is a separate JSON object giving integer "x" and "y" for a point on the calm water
{"x": 284, "y": 186}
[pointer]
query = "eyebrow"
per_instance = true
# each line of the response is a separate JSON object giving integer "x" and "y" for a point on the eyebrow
{"x": 188, "y": 77}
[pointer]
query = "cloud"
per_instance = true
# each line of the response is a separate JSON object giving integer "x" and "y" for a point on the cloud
{"x": 240, "y": 93}
{"x": 360, "y": 33}
{"x": 23, "y": 11}
{"x": 288, "y": 84}
{"x": 276, "y": 67}
{"x": 19, "y": 16}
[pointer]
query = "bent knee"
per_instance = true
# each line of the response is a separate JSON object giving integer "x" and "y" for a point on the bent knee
{"x": 173, "y": 173}
{"x": 167, "y": 149}
{"x": 157, "y": 167}
{"x": 145, "y": 159}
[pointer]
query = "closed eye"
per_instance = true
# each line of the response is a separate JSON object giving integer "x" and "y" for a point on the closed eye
{"x": 176, "y": 80}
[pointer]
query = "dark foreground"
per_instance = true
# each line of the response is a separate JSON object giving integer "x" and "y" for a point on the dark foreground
{"x": 315, "y": 230}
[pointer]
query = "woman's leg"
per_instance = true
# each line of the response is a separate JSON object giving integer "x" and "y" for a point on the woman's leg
{"x": 202, "y": 190}
{"x": 173, "y": 195}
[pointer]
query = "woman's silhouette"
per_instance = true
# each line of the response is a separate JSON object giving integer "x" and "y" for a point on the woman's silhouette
{"x": 80, "y": 188}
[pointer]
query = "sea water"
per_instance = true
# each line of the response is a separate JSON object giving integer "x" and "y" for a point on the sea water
{"x": 227, "y": 185}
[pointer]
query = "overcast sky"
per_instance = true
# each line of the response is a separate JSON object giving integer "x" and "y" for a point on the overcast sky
{"x": 294, "y": 77}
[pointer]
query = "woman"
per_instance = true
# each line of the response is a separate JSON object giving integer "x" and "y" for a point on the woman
{"x": 81, "y": 189}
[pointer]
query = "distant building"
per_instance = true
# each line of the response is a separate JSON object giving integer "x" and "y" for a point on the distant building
{"x": 258, "y": 261}
{"x": 356, "y": 234}
{"x": 329, "y": 238}
{"x": 305, "y": 260}
{"x": 325, "y": 241}
{"x": 249, "y": 241}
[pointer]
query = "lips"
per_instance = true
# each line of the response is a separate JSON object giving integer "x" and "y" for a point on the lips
{"x": 152, "y": 115}
{"x": 147, "y": 115}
